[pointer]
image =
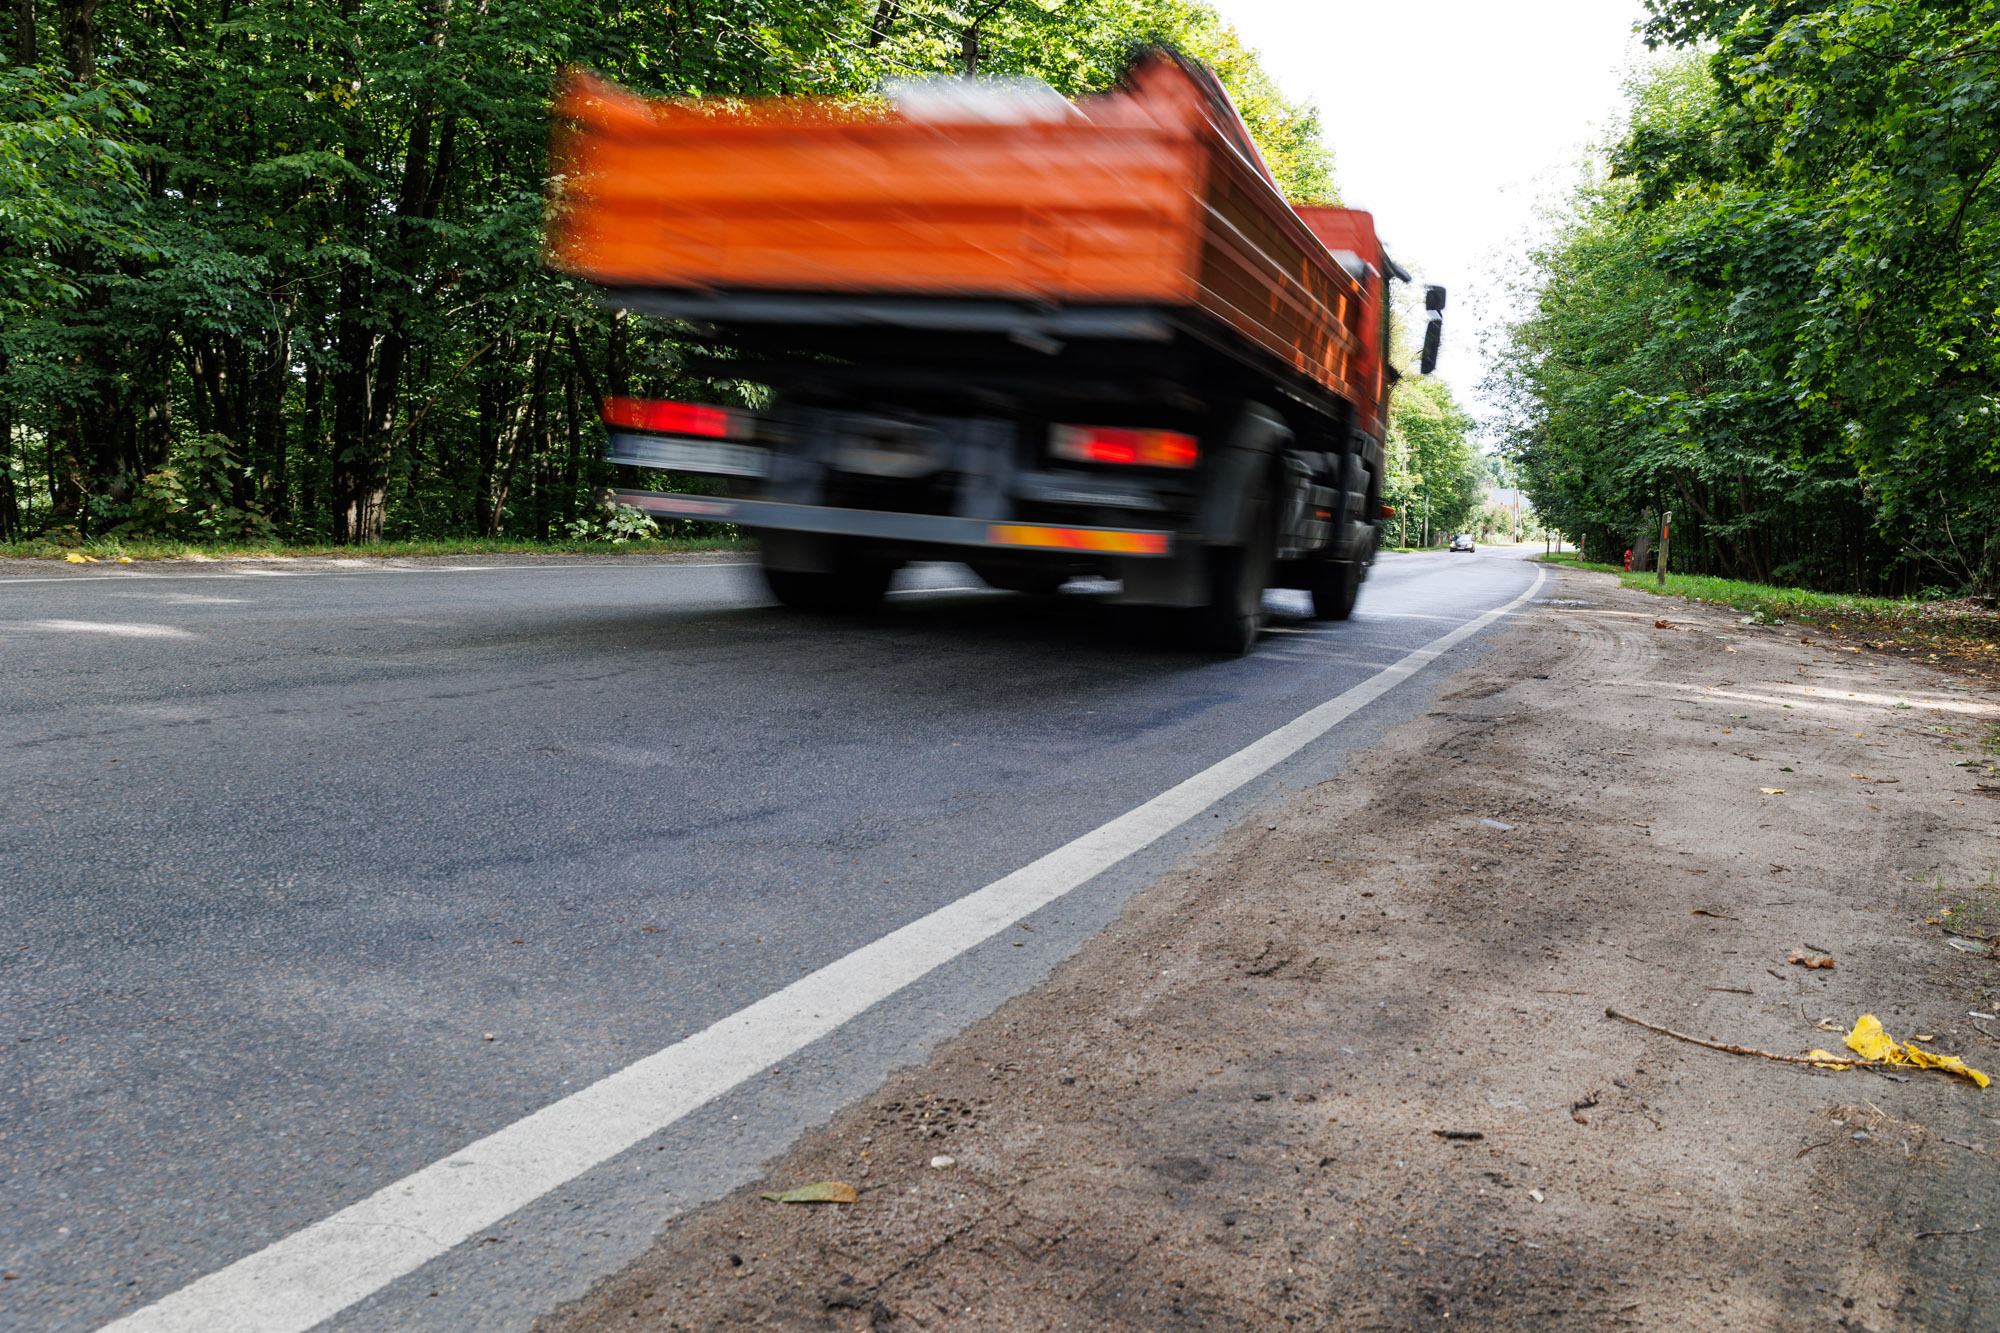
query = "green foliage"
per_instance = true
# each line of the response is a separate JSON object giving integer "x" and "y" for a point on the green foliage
{"x": 282, "y": 264}
{"x": 1434, "y": 477}
{"x": 192, "y": 498}
{"x": 1288, "y": 132}
{"x": 69, "y": 180}
{"x": 1779, "y": 313}
{"x": 618, "y": 525}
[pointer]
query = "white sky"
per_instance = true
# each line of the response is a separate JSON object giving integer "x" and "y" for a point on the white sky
{"x": 1449, "y": 120}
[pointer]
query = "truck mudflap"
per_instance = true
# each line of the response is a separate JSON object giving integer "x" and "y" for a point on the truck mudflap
{"x": 916, "y": 529}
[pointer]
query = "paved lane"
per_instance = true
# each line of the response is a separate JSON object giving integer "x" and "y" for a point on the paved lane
{"x": 278, "y": 853}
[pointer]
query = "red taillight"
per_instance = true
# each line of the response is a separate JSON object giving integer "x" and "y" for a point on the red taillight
{"x": 1120, "y": 445}
{"x": 669, "y": 418}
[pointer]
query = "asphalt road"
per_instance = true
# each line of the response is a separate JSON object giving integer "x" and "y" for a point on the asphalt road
{"x": 279, "y": 851}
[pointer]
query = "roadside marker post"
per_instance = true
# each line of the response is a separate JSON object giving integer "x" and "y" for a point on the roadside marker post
{"x": 1666, "y": 526}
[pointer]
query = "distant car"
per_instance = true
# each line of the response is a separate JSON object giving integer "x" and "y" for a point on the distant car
{"x": 1462, "y": 542}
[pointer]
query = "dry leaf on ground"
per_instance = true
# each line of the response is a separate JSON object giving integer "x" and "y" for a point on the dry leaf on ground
{"x": 1870, "y": 1042}
{"x": 826, "y": 1191}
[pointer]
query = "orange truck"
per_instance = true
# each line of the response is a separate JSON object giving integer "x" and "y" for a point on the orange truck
{"x": 1044, "y": 338}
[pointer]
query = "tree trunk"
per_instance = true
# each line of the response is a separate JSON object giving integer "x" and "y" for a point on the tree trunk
{"x": 66, "y": 470}
{"x": 573, "y": 455}
{"x": 267, "y": 431}
{"x": 77, "y": 20}
{"x": 1986, "y": 579}
{"x": 312, "y": 451}
{"x": 617, "y": 369}
{"x": 369, "y": 446}
{"x": 527, "y": 419}
{"x": 878, "y": 27}
{"x": 10, "y": 502}
{"x": 355, "y": 498}
{"x": 25, "y": 42}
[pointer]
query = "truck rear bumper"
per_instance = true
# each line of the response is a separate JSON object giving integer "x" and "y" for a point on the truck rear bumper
{"x": 915, "y": 529}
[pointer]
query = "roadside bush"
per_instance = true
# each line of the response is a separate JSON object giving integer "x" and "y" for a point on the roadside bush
{"x": 192, "y": 497}
{"x": 618, "y": 524}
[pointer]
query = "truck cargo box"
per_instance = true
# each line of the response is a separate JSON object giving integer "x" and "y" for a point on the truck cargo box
{"x": 1109, "y": 215}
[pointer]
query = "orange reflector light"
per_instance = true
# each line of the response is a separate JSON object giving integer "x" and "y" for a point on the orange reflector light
{"x": 1078, "y": 539}
{"x": 668, "y": 418}
{"x": 1388, "y": 511}
{"x": 1116, "y": 444}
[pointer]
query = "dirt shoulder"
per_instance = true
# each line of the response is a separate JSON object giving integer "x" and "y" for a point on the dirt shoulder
{"x": 1224, "y": 1112}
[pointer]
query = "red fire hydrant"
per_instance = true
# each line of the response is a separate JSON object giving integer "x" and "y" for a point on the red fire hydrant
{"x": 1628, "y": 562}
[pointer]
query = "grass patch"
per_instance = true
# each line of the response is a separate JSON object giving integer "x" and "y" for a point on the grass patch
{"x": 1955, "y": 635}
{"x": 1768, "y": 602}
{"x": 1975, "y": 909}
{"x": 1572, "y": 560}
{"x": 149, "y": 548}
{"x": 1765, "y": 600}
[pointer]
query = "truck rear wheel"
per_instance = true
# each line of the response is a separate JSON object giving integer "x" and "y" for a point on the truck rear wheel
{"x": 1237, "y": 577}
{"x": 851, "y": 590}
{"x": 1336, "y": 583}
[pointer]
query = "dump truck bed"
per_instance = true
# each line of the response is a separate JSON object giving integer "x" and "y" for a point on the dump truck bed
{"x": 1109, "y": 215}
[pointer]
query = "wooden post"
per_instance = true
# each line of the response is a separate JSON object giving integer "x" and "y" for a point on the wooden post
{"x": 1666, "y": 526}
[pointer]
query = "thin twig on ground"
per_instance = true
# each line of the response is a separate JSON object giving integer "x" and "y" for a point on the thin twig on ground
{"x": 1842, "y": 1061}
{"x": 1968, "y": 1231}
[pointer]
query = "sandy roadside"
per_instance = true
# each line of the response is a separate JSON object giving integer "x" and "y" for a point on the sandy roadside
{"x": 1224, "y": 1112}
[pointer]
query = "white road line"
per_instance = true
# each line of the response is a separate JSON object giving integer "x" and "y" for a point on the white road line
{"x": 6, "y": 580}
{"x": 315, "y": 1273}
{"x": 122, "y": 630}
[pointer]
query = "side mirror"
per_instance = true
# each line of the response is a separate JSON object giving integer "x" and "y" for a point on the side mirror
{"x": 1433, "y": 328}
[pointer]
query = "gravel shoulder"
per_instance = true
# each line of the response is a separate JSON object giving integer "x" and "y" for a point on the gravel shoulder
{"x": 1225, "y": 1110}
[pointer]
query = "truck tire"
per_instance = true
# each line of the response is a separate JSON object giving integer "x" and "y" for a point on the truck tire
{"x": 1237, "y": 576}
{"x": 1336, "y": 583}
{"x": 853, "y": 590}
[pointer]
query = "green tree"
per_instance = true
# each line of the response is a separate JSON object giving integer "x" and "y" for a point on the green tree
{"x": 1664, "y": 364}
{"x": 1838, "y": 224}
{"x": 1433, "y": 472}
{"x": 277, "y": 264}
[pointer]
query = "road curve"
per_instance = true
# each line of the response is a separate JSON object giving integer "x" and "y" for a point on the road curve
{"x": 316, "y": 877}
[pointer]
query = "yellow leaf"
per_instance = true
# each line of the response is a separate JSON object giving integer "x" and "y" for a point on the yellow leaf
{"x": 1870, "y": 1042}
{"x": 76, "y": 559}
{"x": 1772, "y": 791}
{"x": 826, "y": 1191}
